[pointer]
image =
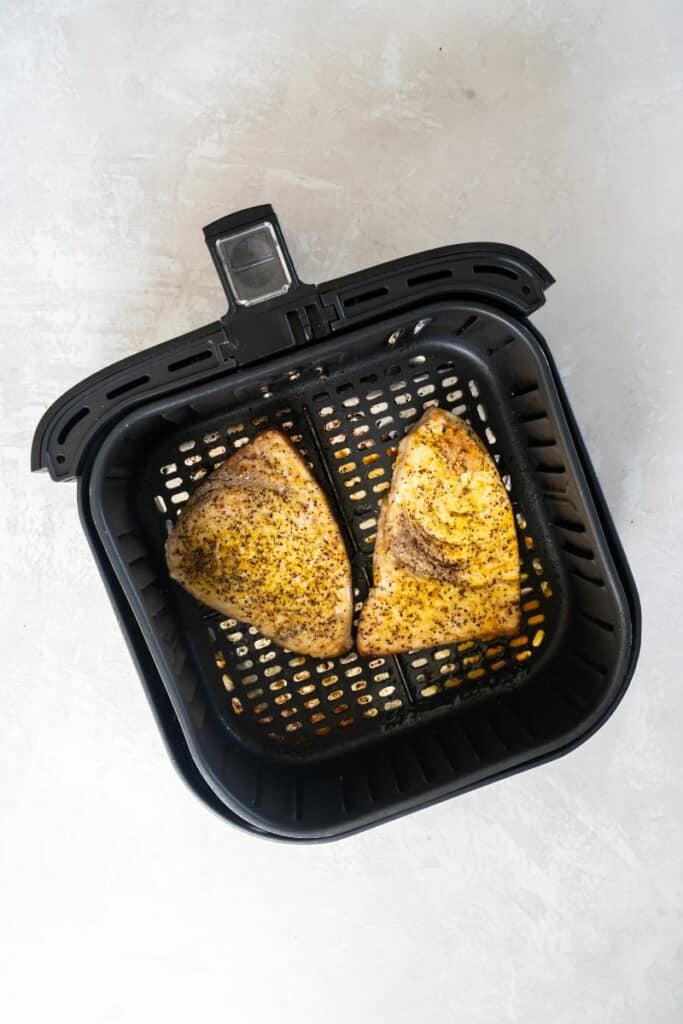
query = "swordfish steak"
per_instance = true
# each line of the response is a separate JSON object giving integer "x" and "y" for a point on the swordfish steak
{"x": 258, "y": 541}
{"x": 446, "y": 563}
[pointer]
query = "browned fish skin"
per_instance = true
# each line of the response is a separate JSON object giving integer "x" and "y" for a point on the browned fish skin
{"x": 446, "y": 563}
{"x": 258, "y": 542}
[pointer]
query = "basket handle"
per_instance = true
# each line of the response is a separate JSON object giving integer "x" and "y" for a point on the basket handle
{"x": 251, "y": 258}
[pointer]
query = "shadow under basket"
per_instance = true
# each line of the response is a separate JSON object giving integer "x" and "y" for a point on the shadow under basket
{"x": 283, "y": 744}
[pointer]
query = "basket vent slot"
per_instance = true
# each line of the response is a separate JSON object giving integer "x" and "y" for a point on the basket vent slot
{"x": 357, "y": 300}
{"x": 196, "y": 357}
{"x": 466, "y": 324}
{"x": 128, "y": 386}
{"x": 430, "y": 276}
{"x": 600, "y": 623}
{"x": 495, "y": 271}
{"x": 71, "y": 423}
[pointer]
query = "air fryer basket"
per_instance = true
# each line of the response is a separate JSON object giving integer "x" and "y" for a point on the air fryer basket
{"x": 286, "y": 744}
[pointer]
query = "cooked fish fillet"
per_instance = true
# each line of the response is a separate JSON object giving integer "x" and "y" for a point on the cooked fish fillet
{"x": 258, "y": 542}
{"x": 446, "y": 562}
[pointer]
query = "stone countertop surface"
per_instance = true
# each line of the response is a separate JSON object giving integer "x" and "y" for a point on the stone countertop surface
{"x": 375, "y": 130}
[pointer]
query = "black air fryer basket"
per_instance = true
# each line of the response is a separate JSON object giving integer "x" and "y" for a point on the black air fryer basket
{"x": 282, "y": 744}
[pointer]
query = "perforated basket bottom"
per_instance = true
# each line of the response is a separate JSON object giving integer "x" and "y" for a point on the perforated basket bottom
{"x": 348, "y": 429}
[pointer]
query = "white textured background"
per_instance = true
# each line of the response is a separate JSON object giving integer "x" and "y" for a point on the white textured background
{"x": 375, "y": 130}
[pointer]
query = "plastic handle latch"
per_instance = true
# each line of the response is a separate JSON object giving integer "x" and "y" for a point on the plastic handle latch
{"x": 251, "y": 257}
